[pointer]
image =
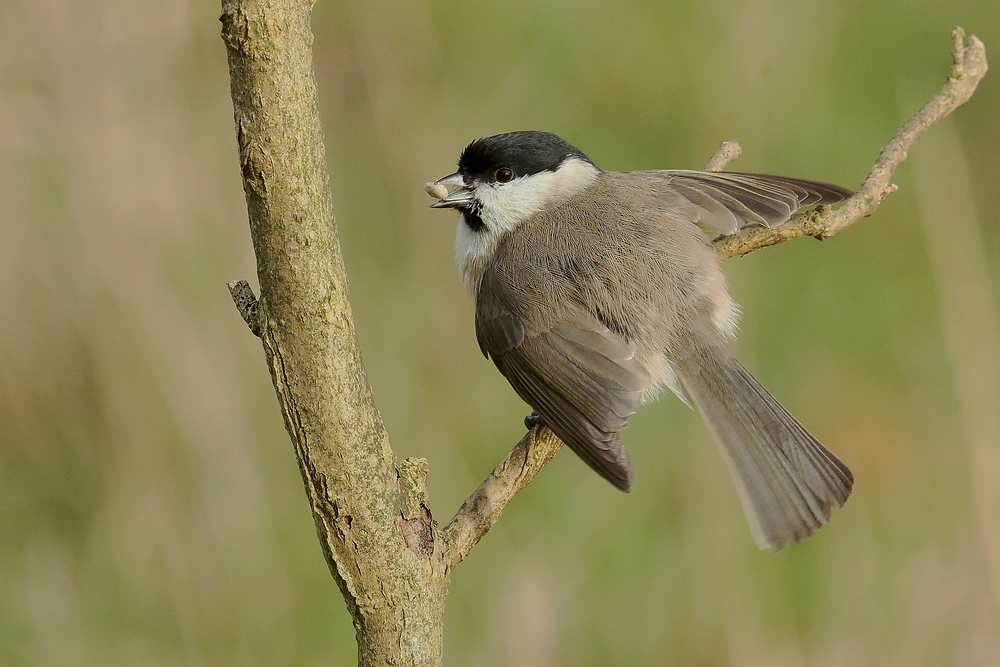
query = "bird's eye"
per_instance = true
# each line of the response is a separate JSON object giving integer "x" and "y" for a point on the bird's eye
{"x": 504, "y": 175}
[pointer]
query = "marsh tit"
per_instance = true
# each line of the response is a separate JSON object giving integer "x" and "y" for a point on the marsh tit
{"x": 595, "y": 290}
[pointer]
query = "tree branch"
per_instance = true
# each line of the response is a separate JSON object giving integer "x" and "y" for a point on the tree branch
{"x": 728, "y": 151}
{"x": 370, "y": 510}
{"x": 246, "y": 303}
{"x": 482, "y": 509}
{"x": 968, "y": 68}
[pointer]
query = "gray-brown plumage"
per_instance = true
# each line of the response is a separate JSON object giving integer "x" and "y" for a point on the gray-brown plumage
{"x": 594, "y": 290}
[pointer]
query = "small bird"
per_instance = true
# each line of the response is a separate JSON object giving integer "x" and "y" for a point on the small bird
{"x": 595, "y": 290}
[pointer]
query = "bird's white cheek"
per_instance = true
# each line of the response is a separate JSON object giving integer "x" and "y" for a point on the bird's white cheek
{"x": 504, "y": 206}
{"x": 510, "y": 203}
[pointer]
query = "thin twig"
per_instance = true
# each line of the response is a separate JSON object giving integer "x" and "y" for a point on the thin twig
{"x": 482, "y": 509}
{"x": 968, "y": 68}
{"x": 728, "y": 151}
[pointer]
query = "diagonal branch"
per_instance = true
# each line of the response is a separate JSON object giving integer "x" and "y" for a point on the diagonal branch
{"x": 482, "y": 509}
{"x": 967, "y": 70}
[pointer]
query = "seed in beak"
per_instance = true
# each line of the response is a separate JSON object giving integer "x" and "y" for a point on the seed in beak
{"x": 436, "y": 190}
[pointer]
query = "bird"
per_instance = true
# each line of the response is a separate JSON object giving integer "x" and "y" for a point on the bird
{"x": 596, "y": 290}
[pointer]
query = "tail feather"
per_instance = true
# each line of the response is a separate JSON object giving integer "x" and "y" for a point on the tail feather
{"x": 788, "y": 482}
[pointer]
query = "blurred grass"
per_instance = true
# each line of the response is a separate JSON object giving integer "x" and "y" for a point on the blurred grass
{"x": 150, "y": 508}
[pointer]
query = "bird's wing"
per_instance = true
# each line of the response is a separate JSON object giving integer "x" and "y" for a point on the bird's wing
{"x": 728, "y": 201}
{"x": 581, "y": 378}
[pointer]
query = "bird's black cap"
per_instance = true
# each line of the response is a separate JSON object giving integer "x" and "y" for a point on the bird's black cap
{"x": 526, "y": 152}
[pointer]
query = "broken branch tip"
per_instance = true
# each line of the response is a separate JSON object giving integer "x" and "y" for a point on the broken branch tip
{"x": 246, "y": 302}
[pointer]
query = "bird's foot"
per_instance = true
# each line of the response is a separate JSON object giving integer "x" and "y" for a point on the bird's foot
{"x": 532, "y": 420}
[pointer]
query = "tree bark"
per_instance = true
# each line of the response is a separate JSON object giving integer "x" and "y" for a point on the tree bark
{"x": 372, "y": 515}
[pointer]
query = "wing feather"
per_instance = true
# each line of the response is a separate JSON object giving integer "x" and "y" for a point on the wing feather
{"x": 581, "y": 378}
{"x": 728, "y": 201}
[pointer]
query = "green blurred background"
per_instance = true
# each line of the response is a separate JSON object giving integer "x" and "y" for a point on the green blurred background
{"x": 151, "y": 511}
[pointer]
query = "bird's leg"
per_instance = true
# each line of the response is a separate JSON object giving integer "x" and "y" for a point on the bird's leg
{"x": 532, "y": 420}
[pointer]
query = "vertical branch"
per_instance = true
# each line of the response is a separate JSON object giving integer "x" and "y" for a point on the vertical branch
{"x": 361, "y": 497}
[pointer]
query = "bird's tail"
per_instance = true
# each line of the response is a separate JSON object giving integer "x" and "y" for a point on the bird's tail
{"x": 788, "y": 481}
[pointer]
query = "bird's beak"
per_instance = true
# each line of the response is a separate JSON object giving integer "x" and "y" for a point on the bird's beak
{"x": 450, "y": 192}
